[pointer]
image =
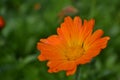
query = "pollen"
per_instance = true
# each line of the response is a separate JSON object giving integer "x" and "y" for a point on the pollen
{"x": 73, "y": 53}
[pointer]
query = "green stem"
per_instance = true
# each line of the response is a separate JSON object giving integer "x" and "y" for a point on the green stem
{"x": 77, "y": 74}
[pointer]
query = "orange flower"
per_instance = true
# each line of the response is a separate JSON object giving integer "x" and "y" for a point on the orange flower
{"x": 37, "y": 6}
{"x": 68, "y": 10}
{"x": 2, "y": 22}
{"x": 75, "y": 44}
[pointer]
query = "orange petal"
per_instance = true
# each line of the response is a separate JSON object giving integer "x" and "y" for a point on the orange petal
{"x": 54, "y": 63}
{"x": 41, "y": 58}
{"x": 52, "y": 40}
{"x": 90, "y": 40}
{"x": 66, "y": 65}
{"x": 71, "y": 72}
{"x": 93, "y": 50}
{"x": 64, "y": 31}
{"x": 69, "y": 30}
{"x": 86, "y": 30}
{"x": 100, "y": 43}
{"x": 89, "y": 55}
{"x": 50, "y": 52}
{"x": 77, "y": 22}
{"x": 83, "y": 60}
{"x": 75, "y": 30}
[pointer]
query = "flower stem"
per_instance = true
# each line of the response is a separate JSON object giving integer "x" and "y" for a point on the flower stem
{"x": 77, "y": 75}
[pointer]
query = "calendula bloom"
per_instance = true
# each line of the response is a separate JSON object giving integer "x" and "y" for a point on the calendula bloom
{"x": 67, "y": 10}
{"x": 74, "y": 44}
{"x": 2, "y": 22}
{"x": 37, "y": 6}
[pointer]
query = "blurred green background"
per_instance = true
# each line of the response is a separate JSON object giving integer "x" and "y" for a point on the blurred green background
{"x": 29, "y": 20}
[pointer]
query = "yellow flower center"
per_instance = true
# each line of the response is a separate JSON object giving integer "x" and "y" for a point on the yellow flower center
{"x": 73, "y": 53}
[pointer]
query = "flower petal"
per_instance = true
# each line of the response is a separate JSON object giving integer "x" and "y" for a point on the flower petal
{"x": 85, "y": 31}
{"x": 93, "y": 50}
{"x": 52, "y": 64}
{"x": 50, "y": 52}
{"x": 99, "y": 43}
{"x": 69, "y": 30}
{"x": 71, "y": 72}
{"x": 66, "y": 65}
{"x": 41, "y": 58}
{"x": 52, "y": 40}
{"x": 91, "y": 39}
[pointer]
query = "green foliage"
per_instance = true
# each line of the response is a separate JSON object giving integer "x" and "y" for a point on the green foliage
{"x": 26, "y": 24}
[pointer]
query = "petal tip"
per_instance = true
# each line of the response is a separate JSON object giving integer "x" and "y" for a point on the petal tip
{"x": 67, "y": 18}
{"x": 41, "y": 58}
{"x": 108, "y": 38}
